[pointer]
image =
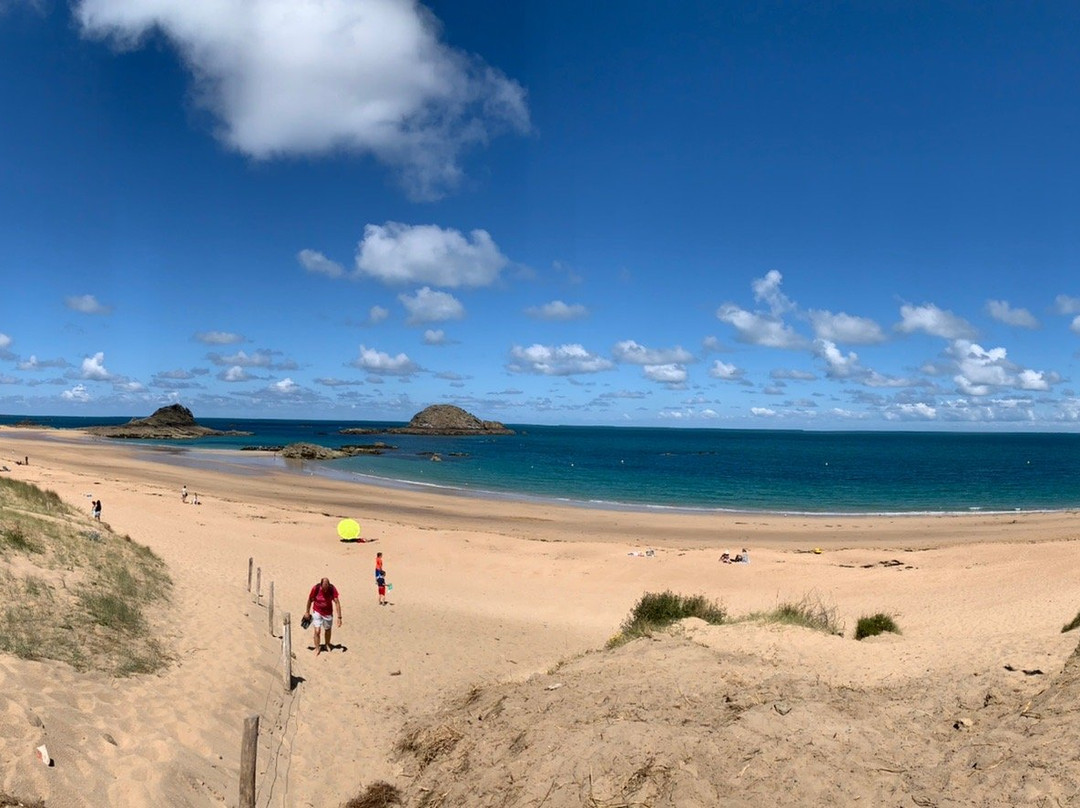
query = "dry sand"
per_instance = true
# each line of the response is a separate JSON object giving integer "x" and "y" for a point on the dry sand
{"x": 484, "y": 656}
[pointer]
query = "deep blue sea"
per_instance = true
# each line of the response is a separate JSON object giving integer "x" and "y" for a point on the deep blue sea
{"x": 706, "y": 469}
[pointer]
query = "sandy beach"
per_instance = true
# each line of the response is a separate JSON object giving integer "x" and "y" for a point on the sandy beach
{"x": 492, "y": 594}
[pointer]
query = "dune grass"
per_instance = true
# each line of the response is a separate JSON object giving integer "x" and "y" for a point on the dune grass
{"x": 1071, "y": 624}
{"x": 810, "y": 612}
{"x": 72, "y": 590}
{"x": 875, "y": 624}
{"x": 658, "y": 610}
{"x": 379, "y": 794}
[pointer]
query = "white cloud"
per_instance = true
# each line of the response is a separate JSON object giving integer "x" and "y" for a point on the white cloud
{"x": 130, "y": 386}
{"x": 845, "y": 328}
{"x": 5, "y": 342}
{"x": 1075, "y": 326}
{"x": 87, "y": 304}
{"x": 428, "y": 306}
{"x": 557, "y": 310}
{"x": 218, "y": 338}
{"x": 763, "y": 412}
{"x": 287, "y": 78}
{"x": 380, "y": 363}
{"x": 632, "y": 353}
{"x": 235, "y": 374}
{"x": 284, "y": 387}
{"x": 434, "y": 337}
{"x": 918, "y": 411}
{"x": 93, "y": 367}
{"x": 936, "y": 322}
{"x": 76, "y": 393}
{"x": 256, "y": 359}
{"x": 1064, "y": 304}
{"x": 796, "y": 375}
{"x": 767, "y": 290}
{"x": 725, "y": 371}
{"x": 838, "y": 365}
{"x": 563, "y": 360}
{"x": 1001, "y": 311}
{"x": 1033, "y": 380}
{"x": 397, "y": 253}
{"x": 377, "y": 314}
{"x": 758, "y": 329}
{"x": 670, "y": 373}
{"x": 318, "y": 264}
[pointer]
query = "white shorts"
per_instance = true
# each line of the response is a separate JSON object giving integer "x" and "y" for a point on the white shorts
{"x": 321, "y": 620}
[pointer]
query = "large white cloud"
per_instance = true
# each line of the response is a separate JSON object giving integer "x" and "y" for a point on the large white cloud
{"x": 759, "y": 329}
{"x": 429, "y": 306}
{"x": 562, "y": 360}
{"x": 669, "y": 373}
{"x": 290, "y": 77}
{"x": 398, "y": 253}
{"x": 93, "y": 368}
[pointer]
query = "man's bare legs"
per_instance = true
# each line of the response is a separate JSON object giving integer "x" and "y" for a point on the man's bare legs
{"x": 318, "y": 640}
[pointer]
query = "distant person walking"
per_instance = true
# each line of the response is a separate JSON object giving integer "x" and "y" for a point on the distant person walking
{"x": 96, "y": 509}
{"x": 380, "y": 579}
{"x": 183, "y": 494}
{"x": 320, "y": 610}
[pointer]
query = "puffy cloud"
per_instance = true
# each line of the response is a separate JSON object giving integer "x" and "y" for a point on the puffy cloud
{"x": 288, "y": 78}
{"x": 397, "y": 253}
{"x": 76, "y": 393}
{"x": 284, "y": 387}
{"x": 87, "y": 304}
{"x": 1001, "y": 311}
{"x": 428, "y": 306}
{"x": 936, "y": 322}
{"x": 557, "y": 310}
{"x": 563, "y": 360}
{"x": 632, "y": 353}
{"x": 1033, "y": 380}
{"x": 256, "y": 359}
{"x": 318, "y": 264}
{"x": 1075, "y": 326}
{"x": 379, "y": 363}
{"x": 767, "y": 290}
{"x": 235, "y": 374}
{"x": 93, "y": 368}
{"x": 845, "y": 328}
{"x": 1064, "y": 304}
{"x": 725, "y": 371}
{"x": 218, "y": 338}
{"x": 795, "y": 375}
{"x": 838, "y": 365}
{"x": 670, "y": 373}
{"x": 5, "y": 342}
{"x": 758, "y": 329}
{"x": 915, "y": 411}
{"x": 377, "y": 314}
{"x": 763, "y": 412}
{"x": 434, "y": 337}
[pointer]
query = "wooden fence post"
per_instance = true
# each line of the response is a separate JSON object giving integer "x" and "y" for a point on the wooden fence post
{"x": 258, "y": 584}
{"x": 249, "y": 751}
{"x": 286, "y": 651}
{"x": 270, "y": 610}
{"x": 251, "y": 563}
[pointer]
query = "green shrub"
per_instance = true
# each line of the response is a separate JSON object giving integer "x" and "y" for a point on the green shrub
{"x": 15, "y": 538}
{"x": 657, "y": 610}
{"x": 874, "y": 625}
{"x": 1071, "y": 624}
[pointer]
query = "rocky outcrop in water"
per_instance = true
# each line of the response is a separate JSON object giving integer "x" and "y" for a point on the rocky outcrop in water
{"x": 174, "y": 422}
{"x": 439, "y": 419}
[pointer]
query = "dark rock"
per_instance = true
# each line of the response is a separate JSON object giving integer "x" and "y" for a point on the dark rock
{"x": 310, "y": 451}
{"x": 277, "y": 448}
{"x": 172, "y": 422}
{"x": 446, "y": 419}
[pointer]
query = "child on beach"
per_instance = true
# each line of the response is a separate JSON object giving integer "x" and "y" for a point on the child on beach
{"x": 380, "y": 578}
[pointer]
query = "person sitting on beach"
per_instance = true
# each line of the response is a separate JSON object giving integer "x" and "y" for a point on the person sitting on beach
{"x": 195, "y": 499}
{"x": 743, "y": 557}
{"x": 320, "y": 610}
{"x": 726, "y": 557}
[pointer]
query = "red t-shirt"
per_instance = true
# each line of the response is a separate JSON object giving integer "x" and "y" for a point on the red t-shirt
{"x": 323, "y": 602}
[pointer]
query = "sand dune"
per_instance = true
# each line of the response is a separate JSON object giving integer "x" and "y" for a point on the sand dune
{"x": 496, "y": 601}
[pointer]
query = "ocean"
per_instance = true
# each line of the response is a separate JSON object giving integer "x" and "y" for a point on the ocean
{"x": 775, "y": 471}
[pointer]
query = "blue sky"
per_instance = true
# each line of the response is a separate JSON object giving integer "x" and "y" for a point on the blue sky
{"x": 775, "y": 215}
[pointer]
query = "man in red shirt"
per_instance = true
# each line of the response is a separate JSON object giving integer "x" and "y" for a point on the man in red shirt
{"x": 320, "y": 609}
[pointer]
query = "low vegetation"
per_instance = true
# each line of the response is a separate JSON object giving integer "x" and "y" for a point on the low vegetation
{"x": 378, "y": 795}
{"x": 811, "y": 612}
{"x": 658, "y": 610}
{"x": 875, "y": 624}
{"x": 1071, "y": 624}
{"x": 72, "y": 590}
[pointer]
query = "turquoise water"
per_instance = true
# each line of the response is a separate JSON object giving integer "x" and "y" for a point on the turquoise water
{"x": 738, "y": 470}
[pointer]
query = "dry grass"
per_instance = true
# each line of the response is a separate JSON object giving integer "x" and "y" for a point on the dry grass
{"x": 91, "y": 583}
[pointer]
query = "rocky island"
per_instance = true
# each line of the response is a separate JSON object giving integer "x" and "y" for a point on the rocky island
{"x": 174, "y": 422}
{"x": 440, "y": 419}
